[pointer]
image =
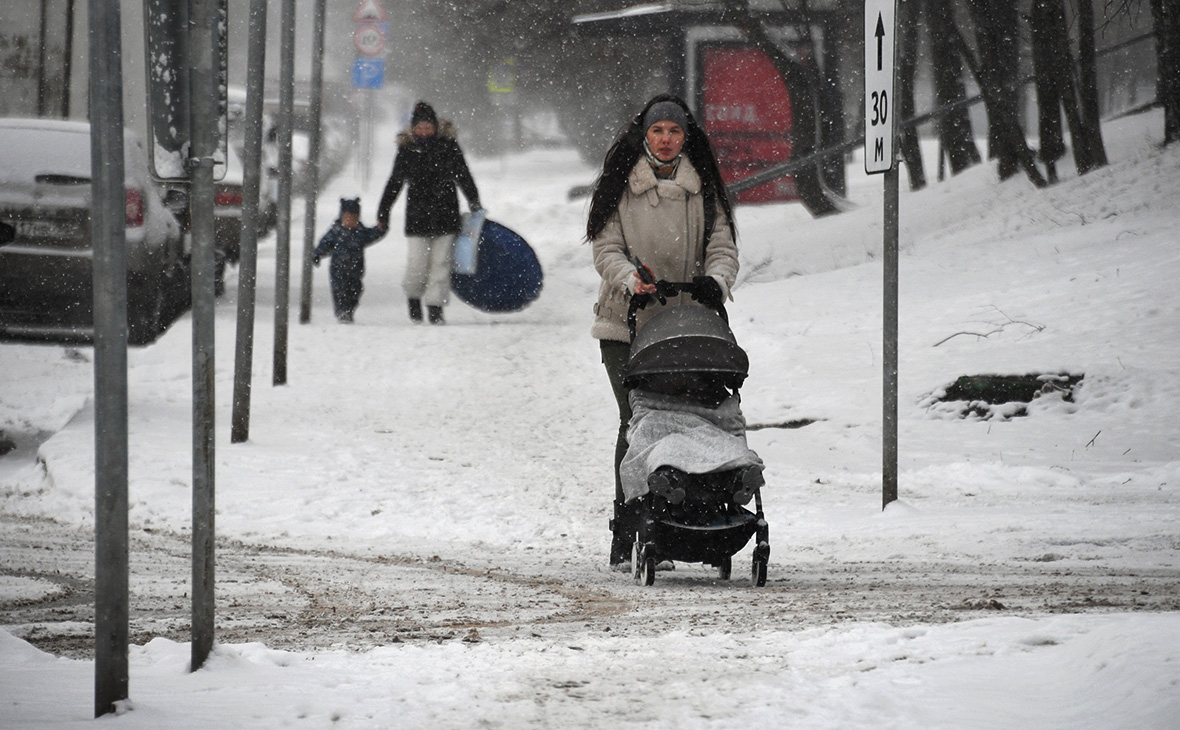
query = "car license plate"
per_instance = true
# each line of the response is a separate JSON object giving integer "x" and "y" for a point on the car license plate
{"x": 47, "y": 230}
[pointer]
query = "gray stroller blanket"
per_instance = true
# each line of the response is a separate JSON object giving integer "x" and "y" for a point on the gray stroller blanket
{"x": 670, "y": 431}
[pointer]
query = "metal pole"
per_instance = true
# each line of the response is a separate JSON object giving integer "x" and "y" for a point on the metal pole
{"x": 889, "y": 430}
{"x": 367, "y": 134}
{"x": 252, "y": 188}
{"x": 108, "y": 228}
{"x": 204, "y": 19}
{"x": 283, "y": 230}
{"x": 42, "y": 91}
{"x": 67, "y": 67}
{"x": 889, "y": 381}
{"x": 313, "y": 159}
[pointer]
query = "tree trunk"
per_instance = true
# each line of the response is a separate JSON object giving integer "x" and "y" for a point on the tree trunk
{"x": 907, "y": 137}
{"x": 996, "y": 29}
{"x": 1053, "y": 70}
{"x": 1002, "y": 119}
{"x": 804, "y": 87}
{"x": 954, "y": 127}
{"x": 1165, "y": 15}
{"x": 1091, "y": 135}
{"x": 831, "y": 116}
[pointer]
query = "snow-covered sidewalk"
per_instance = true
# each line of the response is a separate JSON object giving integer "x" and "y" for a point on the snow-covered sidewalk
{"x": 488, "y": 442}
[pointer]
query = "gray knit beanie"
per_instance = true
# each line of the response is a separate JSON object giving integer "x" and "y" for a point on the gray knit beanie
{"x": 665, "y": 111}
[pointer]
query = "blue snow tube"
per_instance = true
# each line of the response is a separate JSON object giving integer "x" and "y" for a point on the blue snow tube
{"x": 507, "y": 273}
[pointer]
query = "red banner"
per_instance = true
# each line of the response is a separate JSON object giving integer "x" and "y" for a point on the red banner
{"x": 747, "y": 115}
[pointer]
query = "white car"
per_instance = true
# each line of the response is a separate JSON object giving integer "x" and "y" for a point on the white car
{"x": 46, "y": 260}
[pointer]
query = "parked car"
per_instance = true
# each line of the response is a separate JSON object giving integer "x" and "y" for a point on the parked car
{"x": 227, "y": 211}
{"x": 46, "y": 257}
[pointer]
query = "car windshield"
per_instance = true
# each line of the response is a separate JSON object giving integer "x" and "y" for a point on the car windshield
{"x": 26, "y": 153}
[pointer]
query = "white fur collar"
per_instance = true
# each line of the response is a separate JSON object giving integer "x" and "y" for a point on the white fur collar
{"x": 643, "y": 178}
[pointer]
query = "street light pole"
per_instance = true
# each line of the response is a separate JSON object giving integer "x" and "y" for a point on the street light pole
{"x": 252, "y": 193}
{"x": 313, "y": 159}
{"x": 108, "y": 228}
{"x": 283, "y": 230}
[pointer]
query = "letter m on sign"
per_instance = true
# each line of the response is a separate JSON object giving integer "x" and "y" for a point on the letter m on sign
{"x": 878, "y": 149}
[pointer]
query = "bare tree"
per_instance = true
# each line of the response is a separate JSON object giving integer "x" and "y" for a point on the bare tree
{"x": 1056, "y": 90}
{"x": 950, "y": 91}
{"x": 908, "y": 21}
{"x": 1091, "y": 131}
{"x": 1166, "y": 16}
{"x": 997, "y": 84}
{"x": 996, "y": 34}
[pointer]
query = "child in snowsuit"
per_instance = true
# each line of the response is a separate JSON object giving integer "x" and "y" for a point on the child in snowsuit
{"x": 690, "y": 437}
{"x": 345, "y": 242}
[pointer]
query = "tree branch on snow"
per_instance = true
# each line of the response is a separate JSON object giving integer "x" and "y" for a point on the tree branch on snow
{"x": 998, "y": 329}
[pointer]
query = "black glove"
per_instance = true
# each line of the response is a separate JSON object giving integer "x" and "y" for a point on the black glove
{"x": 642, "y": 300}
{"x": 707, "y": 291}
{"x": 315, "y": 260}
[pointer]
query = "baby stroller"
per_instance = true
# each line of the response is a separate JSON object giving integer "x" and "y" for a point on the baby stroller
{"x": 685, "y": 370}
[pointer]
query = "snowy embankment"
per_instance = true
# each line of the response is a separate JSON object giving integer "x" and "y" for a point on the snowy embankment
{"x": 488, "y": 442}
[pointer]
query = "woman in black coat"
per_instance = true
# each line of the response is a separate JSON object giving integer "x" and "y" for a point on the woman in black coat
{"x": 431, "y": 164}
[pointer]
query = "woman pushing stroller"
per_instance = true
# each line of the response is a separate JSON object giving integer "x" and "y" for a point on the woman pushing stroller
{"x": 659, "y": 199}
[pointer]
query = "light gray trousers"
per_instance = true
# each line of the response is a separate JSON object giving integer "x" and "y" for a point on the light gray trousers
{"x": 428, "y": 268}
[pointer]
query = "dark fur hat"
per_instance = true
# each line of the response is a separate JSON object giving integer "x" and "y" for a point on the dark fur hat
{"x": 350, "y": 205}
{"x": 423, "y": 112}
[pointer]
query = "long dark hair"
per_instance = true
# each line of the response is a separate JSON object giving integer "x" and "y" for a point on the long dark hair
{"x": 626, "y": 150}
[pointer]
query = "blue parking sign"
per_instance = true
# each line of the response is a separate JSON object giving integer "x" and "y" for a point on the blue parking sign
{"x": 368, "y": 73}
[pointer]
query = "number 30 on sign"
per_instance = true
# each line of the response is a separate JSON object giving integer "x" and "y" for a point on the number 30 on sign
{"x": 879, "y": 32}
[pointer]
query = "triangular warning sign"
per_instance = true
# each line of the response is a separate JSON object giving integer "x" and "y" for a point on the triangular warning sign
{"x": 369, "y": 11}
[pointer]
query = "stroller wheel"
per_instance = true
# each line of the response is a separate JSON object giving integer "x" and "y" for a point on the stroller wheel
{"x": 644, "y": 563}
{"x": 758, "y": 573}
{"x": 725, "y": 568}
{"x": 648, "y": 572}
{"x": 635, "y": 561}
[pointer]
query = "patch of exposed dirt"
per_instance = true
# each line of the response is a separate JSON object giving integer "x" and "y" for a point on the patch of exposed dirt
{"x": 297, "y": 599}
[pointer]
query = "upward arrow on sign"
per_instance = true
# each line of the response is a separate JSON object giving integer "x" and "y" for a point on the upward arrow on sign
{"x": 880, "y": 39}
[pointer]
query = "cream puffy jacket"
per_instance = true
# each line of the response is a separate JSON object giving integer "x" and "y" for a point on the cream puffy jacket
{"x": 661, "y": 222}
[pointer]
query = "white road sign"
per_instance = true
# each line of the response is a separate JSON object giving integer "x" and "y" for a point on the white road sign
{"x": 369, "y": 40}
{"x": 880, "y": 29}
{"x": 369, "y": 12}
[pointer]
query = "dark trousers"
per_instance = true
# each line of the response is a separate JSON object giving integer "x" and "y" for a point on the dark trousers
{"x": 614, "y": 357}
{"x": 347, "y": 279}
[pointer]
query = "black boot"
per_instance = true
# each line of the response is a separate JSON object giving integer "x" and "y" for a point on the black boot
{"x": 668, "y": 483}
{"x": 623, "y": 526}
{"x": 748, "y": 480}
{"x": 435, "y": 314}
{"x": 415, "y": 310}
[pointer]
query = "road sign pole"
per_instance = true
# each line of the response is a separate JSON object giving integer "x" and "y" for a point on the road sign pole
{"x": 368, "y": 71}
{"x": 206, "y": 19}
{"x": 889, "y": 379}
{"x": 880, "y": 132}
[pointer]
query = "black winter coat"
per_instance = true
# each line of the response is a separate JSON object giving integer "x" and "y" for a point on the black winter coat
{"x": 431, "y": 168}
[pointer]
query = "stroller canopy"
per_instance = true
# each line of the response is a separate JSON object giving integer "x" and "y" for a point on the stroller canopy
{"x": 685, "y": 341}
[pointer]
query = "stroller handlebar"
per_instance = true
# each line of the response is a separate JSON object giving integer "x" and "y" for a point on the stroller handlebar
{"x": 664, "y": 289}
